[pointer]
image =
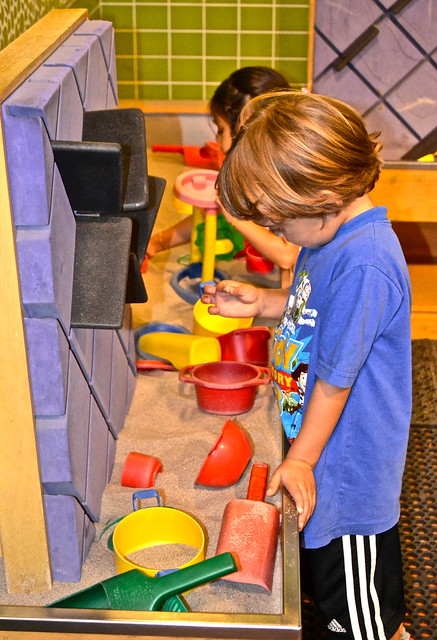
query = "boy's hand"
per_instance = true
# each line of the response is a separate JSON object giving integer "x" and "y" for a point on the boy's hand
{"x": 298, "y": 478}
{"x": 232, "y": 299}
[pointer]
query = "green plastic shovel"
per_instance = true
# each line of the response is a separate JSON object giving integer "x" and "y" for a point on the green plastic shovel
{"x": 134, "y": 591}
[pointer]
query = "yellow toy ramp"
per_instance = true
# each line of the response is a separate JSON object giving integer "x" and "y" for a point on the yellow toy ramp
{"x": 205, "y": 324}
{"x": 182, "y": 349}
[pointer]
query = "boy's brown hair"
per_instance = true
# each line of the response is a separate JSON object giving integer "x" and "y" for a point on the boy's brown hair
{"x": 297, "y": 154}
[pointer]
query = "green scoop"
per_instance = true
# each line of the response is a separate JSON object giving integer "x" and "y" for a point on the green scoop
{"x": 134, "y": 591}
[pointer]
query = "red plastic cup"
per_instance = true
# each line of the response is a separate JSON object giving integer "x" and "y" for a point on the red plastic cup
{"x": 140, "y": 470}
{"x": 256, "y": 262}
{"x": 246, "y": 345}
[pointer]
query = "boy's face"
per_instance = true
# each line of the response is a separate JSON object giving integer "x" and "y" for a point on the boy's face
{"x": 305, "y": 232}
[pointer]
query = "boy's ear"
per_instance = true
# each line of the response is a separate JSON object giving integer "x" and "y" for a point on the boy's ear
{"x": 333, "y": 197}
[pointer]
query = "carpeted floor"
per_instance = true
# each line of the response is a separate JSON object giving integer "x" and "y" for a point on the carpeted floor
{"x": 424, "y": 383}
{"x": 418, "y": 523}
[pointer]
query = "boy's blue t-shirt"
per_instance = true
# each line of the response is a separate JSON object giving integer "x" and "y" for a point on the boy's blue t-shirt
{"x": 347, "y": 321}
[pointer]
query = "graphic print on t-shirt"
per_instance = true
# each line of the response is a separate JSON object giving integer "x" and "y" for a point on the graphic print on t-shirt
{"x": 291, "y": 356}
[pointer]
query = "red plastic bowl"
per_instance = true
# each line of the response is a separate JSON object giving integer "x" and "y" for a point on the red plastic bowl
{"x": 228, "y": 458}
{"x": 246, "y": 345}
{"x": 225, "y": 388}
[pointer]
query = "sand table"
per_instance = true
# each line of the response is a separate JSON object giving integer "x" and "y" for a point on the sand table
{"x": 165, "y": 421}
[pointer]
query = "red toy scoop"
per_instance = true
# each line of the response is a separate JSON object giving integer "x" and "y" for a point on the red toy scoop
{"x": 209, "y": 156}
{"x": 250, "y": 531}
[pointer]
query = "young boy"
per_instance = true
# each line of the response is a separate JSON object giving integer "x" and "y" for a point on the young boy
{"x": 303, "y": 166}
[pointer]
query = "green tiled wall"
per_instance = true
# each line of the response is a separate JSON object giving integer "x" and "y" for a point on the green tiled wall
{"x": 18, "y": 15}
{"x": 181, "y": 49}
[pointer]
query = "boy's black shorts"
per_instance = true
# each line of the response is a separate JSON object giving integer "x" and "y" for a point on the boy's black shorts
{"x": 357, "y": 585}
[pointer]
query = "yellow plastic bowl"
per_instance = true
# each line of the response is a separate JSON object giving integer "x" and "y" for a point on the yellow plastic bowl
{"x": 154, "y": 526}
{"x": 204, "y": 324}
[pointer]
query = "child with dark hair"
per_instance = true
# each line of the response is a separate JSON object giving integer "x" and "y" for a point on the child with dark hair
{"x": 235, "y": 92}
{"x": 225, "y": 106}
{"x": 303, "y": 166}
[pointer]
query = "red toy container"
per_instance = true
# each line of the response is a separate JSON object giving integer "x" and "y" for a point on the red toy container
{"x": 256, "y": 262}
{"x": 225, "y": 388}
{"x": 246, "y": 345}
{"x": 140, "y": 470}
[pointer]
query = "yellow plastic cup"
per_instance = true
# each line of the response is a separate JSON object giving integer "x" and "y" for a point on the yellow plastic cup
{"x": 181, "y": 349}
{"x": 154, "y": 526}
{"x": 204, "y": 324}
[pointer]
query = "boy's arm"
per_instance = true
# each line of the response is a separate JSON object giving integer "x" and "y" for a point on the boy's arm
{"x": 324, "y": 409}
{"x": 274, "y": 248}
{"x": 173, "y": 236}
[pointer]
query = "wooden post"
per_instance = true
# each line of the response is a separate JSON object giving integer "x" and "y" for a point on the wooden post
{"x": 311, "y": 27}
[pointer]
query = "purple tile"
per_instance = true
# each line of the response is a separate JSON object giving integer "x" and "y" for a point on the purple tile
{"x": 111, "y": 100}
{"x": 81, "y": 342}
{"x": 119, "y": 370}
{"x": 112, "y": 449}
{"x": 97, "y": 73}
{"x": 63, "y": 440}
{"x": 125, "y": 330}
{"x": 46, "y": 261}
{"x": 127, "y": 339}
{"x": 390, "y": 44}
{"x": 419, "y": 19}
{"x": 103, "y": 30}
{"x": 65, "y": 521}
{"x": 130, "y": 388}
{"x": 416, "y": 99}
{"x": 132, "y": 354}
{"x": 75, "y": 57}
{"x": 323, "y": 55}
{"x": 31, "y": 99}
{"x": 70, "y": 114}
{"x": 30, "y": 182}
{"x": 48, "y": 356}
{"x": 89, "y": 534}
{"x": 396, "y": 138}
{"x": 345, "y": 85}
{"x": 97, "y": 462}
{"x": 113, "y": 72}
{"x": 101, "y": 370}
{"x": 342, "y": 22}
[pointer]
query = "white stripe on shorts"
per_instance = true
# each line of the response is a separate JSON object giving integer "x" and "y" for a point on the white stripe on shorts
{"x": 350, "y": 590}
{"x": 373, "y": 592}
{"x": 364, "y": 588}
